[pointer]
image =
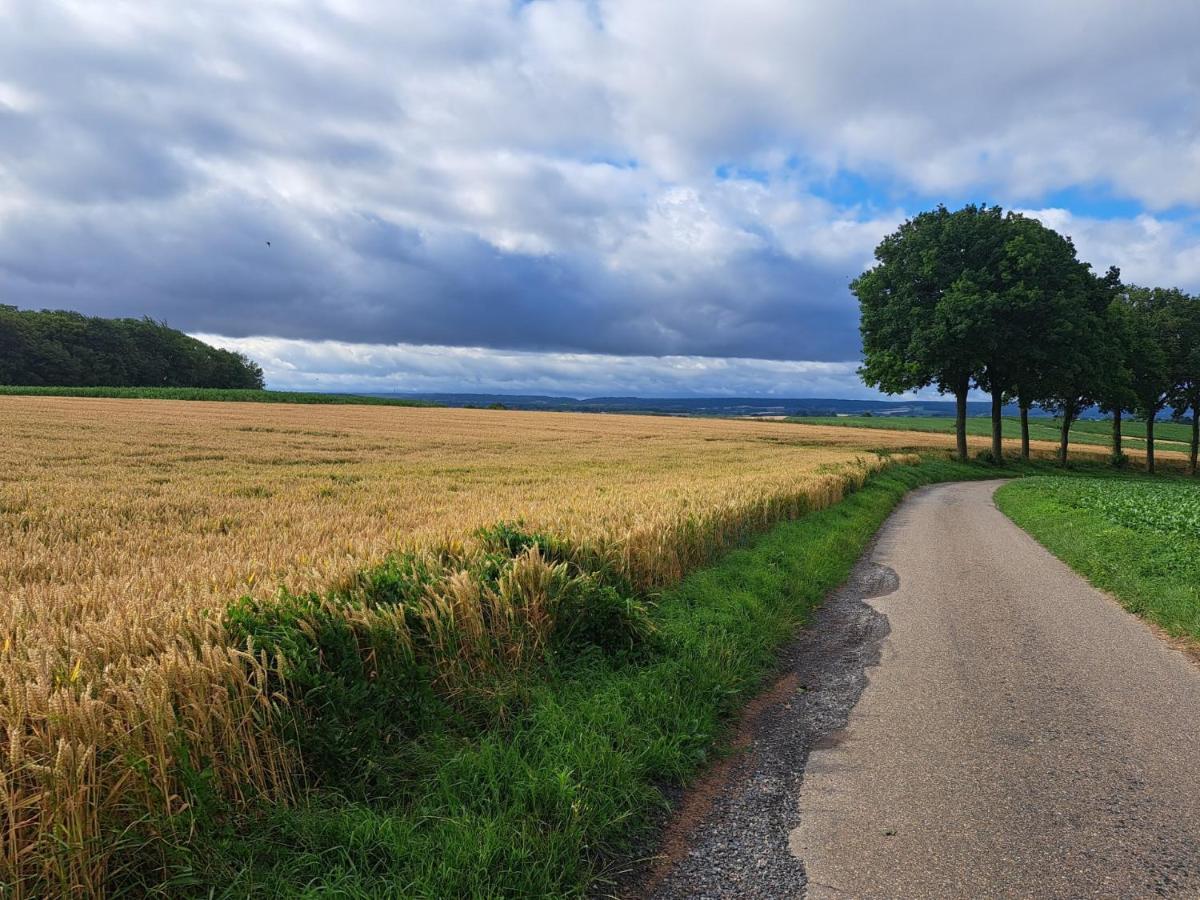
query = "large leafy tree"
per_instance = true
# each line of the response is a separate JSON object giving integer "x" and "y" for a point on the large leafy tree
{"x": 1086, "y": 352}
{"x": 1027, "y": 317}
{"x": 914, "y": 333}
{"x": 1155, "y": 348}
{"x": 1115, "y": 394}
{"x": 1185, "y": 394}
{"x": 971, "y": 296}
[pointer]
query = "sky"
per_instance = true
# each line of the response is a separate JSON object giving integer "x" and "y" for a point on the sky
{"x": 575, "y": 197}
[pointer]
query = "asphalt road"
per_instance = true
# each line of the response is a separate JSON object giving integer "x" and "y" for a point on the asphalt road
{"x": 1021, "y": 735}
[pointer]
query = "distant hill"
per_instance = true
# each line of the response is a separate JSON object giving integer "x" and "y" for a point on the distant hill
{"x": 58, "y": 348}
{"x": 708, "y": 406}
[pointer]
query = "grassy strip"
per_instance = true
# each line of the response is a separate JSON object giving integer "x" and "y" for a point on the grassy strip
{"x": 1112, "y": 536}
{"x": 539, "y": 800}
{"x": 224, "y": 395}
{"x": 1167, "y": 435}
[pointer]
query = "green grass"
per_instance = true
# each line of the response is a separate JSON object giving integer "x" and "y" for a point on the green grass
{"x": 1167, "y": 435}
{"x": 1137, "y": 538}
{"x": 225, "y": 395}
{"x": 563, "y": 777}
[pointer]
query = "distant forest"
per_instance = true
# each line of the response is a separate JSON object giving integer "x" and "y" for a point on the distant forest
{"x": 61, "y": 348}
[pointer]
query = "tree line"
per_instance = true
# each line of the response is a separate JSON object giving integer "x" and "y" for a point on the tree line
{"x": 996, "y": 301}
{"x": 68, "y": 349}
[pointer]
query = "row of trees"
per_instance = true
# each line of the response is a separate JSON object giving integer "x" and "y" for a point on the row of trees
{"x": 69, "y": 349}
{"x": 979, "y": 298}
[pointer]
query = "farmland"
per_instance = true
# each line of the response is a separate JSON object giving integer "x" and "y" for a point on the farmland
{"x": 131, "y": 526}
{"x": 1136, "y": 538}
{"x": 1167, "y": 435}
{"x": 437, "y": 566}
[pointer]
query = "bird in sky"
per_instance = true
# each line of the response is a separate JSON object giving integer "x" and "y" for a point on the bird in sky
{"x": 268, "y": 243}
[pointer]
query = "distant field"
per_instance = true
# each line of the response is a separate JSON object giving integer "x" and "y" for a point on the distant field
{"x": 129, "y": 528}
{"x": 1167, "y": 435}
{"x": 223, "y": 395}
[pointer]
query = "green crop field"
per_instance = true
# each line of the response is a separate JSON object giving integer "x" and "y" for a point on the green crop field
{"x": 1167, "y": 435}
{"x": 1137, "y": 538}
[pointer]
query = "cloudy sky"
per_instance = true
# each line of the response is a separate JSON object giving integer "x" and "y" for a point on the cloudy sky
{"x": 568, "y": 196}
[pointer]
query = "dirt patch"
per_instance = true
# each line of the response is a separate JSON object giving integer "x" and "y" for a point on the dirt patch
{"x": 698, "y": 802}
{"x": 729, "y": 834}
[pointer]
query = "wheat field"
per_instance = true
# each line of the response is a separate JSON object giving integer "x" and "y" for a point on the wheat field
{"x": 128, "y": 526}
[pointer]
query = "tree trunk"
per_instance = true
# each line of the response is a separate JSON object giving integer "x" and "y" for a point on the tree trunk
{"x": 1025, "y": 430}
{"x": 1065, "y": 436}
{"x": 1150, "y": 442}
{"x": 1195, "y": 437}
{"x": 960, "y": 421}
{"x": 1116, "y": 447}
{"x": 997, "y": 425}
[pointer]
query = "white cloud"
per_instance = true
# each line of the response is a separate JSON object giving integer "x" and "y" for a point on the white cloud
{"x": 335, "y": 365}
{"x": 1147, "y": 249}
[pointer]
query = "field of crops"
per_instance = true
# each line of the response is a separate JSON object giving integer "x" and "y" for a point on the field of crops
{"x": 129, "y": 527}
{"x": 1168, "y": 436}
{"x": 1170, "y": 508}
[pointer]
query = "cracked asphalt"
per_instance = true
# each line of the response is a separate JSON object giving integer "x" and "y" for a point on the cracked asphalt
{"x": 966, "y": 717}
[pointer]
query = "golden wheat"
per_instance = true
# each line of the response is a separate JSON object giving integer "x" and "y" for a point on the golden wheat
{"x": 127, "y": 526}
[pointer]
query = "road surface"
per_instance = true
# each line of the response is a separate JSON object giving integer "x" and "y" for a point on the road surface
{"x": 1018, "y": 734}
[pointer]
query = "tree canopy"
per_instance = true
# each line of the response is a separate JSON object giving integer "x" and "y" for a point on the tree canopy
{"x": 61, "y": 348}
{"x": 979, "y": 298}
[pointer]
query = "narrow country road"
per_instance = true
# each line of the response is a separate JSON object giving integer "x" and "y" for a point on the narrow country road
{"x": 1018, "y": 734}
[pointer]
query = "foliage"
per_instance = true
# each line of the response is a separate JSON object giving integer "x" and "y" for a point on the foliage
{"x": 1161, "y": 353}
{"x": 70, "y": 349}
{"x": 1087, "y": 365}
{"x": 1168, "y": 508}
{"x": 913, "y": 332}
{"x": 999, "y": 301}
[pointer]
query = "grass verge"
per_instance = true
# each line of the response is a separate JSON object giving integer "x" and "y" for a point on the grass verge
{"x": 1136, "y": 538}
{"x": 224, "y": 395}
{"x": 541, "y": 798}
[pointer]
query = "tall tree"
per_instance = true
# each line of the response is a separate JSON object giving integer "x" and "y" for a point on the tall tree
{"x": 1116, "y": 395}
{"x": 1154, "y": 348}
{"x": 1031, "y": 287}
{"x": 1085, "y": 352}
{"x": 1185, "y": 395}
{"x": 914, "y": 331}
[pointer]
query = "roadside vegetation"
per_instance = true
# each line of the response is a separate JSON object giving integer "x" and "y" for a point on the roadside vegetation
{"x": 1136, "y": 538}
{"x": 222, "y": 395}
{"x": 1091, "y": 432}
